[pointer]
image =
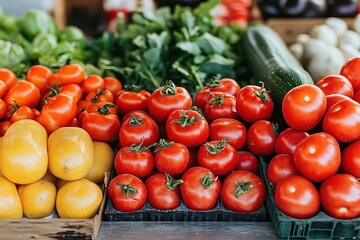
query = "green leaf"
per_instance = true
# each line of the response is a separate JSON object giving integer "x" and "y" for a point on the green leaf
{"x": 189, "y": 47}
{"x": 204, "y": 8}
{"x": 211, "y": 44}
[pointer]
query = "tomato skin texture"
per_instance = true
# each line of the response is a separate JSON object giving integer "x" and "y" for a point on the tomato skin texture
{"x": 102, "y": 95}
{"x": 297, "y": 197}
{"x": 252, "y": 108}
{"x": 70, "y": 73}
{"x": 137, "y": 113}
{"x": 351, "y": 71}
{"x": 161, "y": 105}
{"x": 8, "y": 77}
{"x": 332, "y": 99}
{"x": 24, "y": 93}
{"x": 338, "y": 84}
{"x": 3, "y": 109}
{"x": 58, "y": 112}
{"x": 112, "y": 84}
{"x": 173, "y": 159}
{"x": 134, "y": 201}
{"x": 288, "y": 139}
{"x": 92, "y": 83}
{"x": 281, "y": 166}
{"x": 224, "y": 109}
{"x": 248, "y": 162}
{"x": 141, "y": 164}
{"x": 231, "y": 129}
{"x": 318, "y": 156}
{"x": 129, "y": 101}
{"x": 261, "y": 138}
{"x": 101, "y": 127}
{"x": 23, "y": 112}
{"x": 4, "y": 125}
{"x": 159, "y": 195}
{"x": 192, "y": 135}
{"x": 340, "y": 196}
{"x": 145, "y": 131}
{"x": 350, "y": 159}
{"x": 220, "y": 163}
{"x": 342, "y": 121}
{"x": 249, "y": 201}
{"x": 40, "y": 76}
{"x": 194, "y": 194}
{"x": 308, "y": 102}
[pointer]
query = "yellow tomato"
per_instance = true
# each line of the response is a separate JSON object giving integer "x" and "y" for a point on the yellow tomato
{"x": 103, "y": 162}
{"x": 10, "y": 205}
{"x": 78, "y": 199}
{"x": 23, "y": 153}
{"x": 71, "y": 153}
{"x": 1, "y": 139}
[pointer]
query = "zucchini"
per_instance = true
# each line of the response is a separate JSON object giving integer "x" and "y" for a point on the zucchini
{"x": 272, "y": 63}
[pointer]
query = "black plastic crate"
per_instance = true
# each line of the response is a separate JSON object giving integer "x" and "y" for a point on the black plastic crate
{"x": 321, "y": 226}
{"x": 182, "y": 213}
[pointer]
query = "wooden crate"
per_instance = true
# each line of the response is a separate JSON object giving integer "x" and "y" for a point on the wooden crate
{"x": 56, "y": 228}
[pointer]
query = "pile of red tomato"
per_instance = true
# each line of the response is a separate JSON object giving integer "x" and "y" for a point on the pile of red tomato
{"x": 317, "y": 161}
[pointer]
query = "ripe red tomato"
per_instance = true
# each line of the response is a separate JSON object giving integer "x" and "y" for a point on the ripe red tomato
{"x": 332, "y": 99}
{"x": 281, "y": 166}
{"x": 112, "y": 84}
{"x": 102, "y": 95}
{"x": 351, "y": 71}
{"x": 317, "y": 157}
{"x": 3, "y": 89}
{"x": 220, "y": 105}
{"x": 138, "y": 130}
{"x": 8, "y": 77}
{"x": 297, "y": 197}
{"x": 127, "y": 192}
{"x": 23, "y": 93}
{"x": 261, "y": 138}
{"x": 307, "y": 101}
{"x": 40, "y": 76}
{"x": 357, "y": 96}
{"x": 129, "y": 101}
{"x": 3, "y": 109}
{"x": 136, "y": 160}
{"x": 193, "y": 151}
{"x": 342, "y": 121}
{"x": 248, "y": 162}
{"x": 172, "y": 158}
{"x": 70, "y": 73}
{"x": 137, "y": 113}
{"x": 163, "y": 191}
{"x": 21, "y": 112}
{"x": 218, "y": 156}
{"x": 288, "y": 139}
{"x": 188, "y": 127}
{"x": 4, "y": 125}
{"x": 92, "y": 83}
{"x": 254, "y": 103}
{"x": 200, "y": 189}
{"x": 340, "y": 196}
{"x": 336, "y": 84}
{"x": 243, "y": 191}
{"x": 350, "y": 159}
{"x": 231, "y": 129}
{"x": 166, "y": 99}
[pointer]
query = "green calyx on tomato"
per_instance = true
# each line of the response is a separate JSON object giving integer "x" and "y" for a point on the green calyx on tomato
{"x": 54, "y": 90}
{"x": 14, "y": 108}
{"x": 262, "y": 93}
{"x": 104, "y": 110}
{"x": 171, "y": 183}
{"x": 163, "y": 144}
{"x": 186, "y": 120}
{"x": 242, "y": 187}
{"x": 217, "y": 100}
{"x": 128, "y": 190}
{"x": 135, "y": 121}
{"x": 216, "y": 148}
{"x": 275, "y": 128}
{"x": 206, "y": 181}
{"x": 215, "y": 82}
{"x": 168, "y": 88}
{"x": 135, "y": 148}
{"x": 95, "y": 99}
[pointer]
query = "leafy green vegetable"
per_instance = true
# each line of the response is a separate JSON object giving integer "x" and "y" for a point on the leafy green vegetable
{"x": 11, "y": 54}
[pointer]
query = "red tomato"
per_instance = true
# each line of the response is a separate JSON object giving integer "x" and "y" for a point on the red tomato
{"x": 21, "y": 112}
{"x": 73, "y": 90}
{"x": 254, "y": 103}
{"x": 307, "y": 101}
{"x": 70, "y": 73}
{"x": 231, "y": 129}
{"x": 102, "y": 107}
{"x": 138, "y": 130}
{"x": 102, "y": 95}
{"x": 136, "y": 160}
{"x": 8, "y": 77}
{"x": 137, "y": 113}
{"x": 112, "y": 84}
{"x": 40, "y": 76}
{"x": 225, "y": 85}
{"x": 332, "y": 84}
{"x": 3, "y": 109}
{"x": 248, "y": 162}
{"x": 218, "y": 156}
{"x": 351, "y": 71}
{"x": 166, "y": 99}
{"x": 58, "y": 112}
{"x": 220, "y": 105}
{"x": 92, "y": 83}
{"x": 243, "y": 191}
{"x": 297, "y": 197}
{"x": 200, "y": 189}
{"x": 332, "y": 99}
{"x": 281, "y": 166}
{"x": 4, "y": 125}
{"x": 129, "y": 101}
{"x": 350, "y": 159}
{"x": 163, "y": 191}
{"x": 357, "y": 96}
{"x": 127, "y": 192}
{"x": 23, "y": 93}
{"x": 193, "y": 151}
{"x": 188, "y": 127}
{"x": 288, "y": 139}
{"x": 342, "y": 121}
{"x": 317, "y": 157}
{"x": 3, "y": 89}
{"x": 340, "y": 196}
{"x": 261, "y": 138}
{"x": 172, "y": 158}
{"x": 74, "y": 123}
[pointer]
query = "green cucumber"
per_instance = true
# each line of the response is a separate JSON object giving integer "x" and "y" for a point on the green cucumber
{"x": 272, "y": 63}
